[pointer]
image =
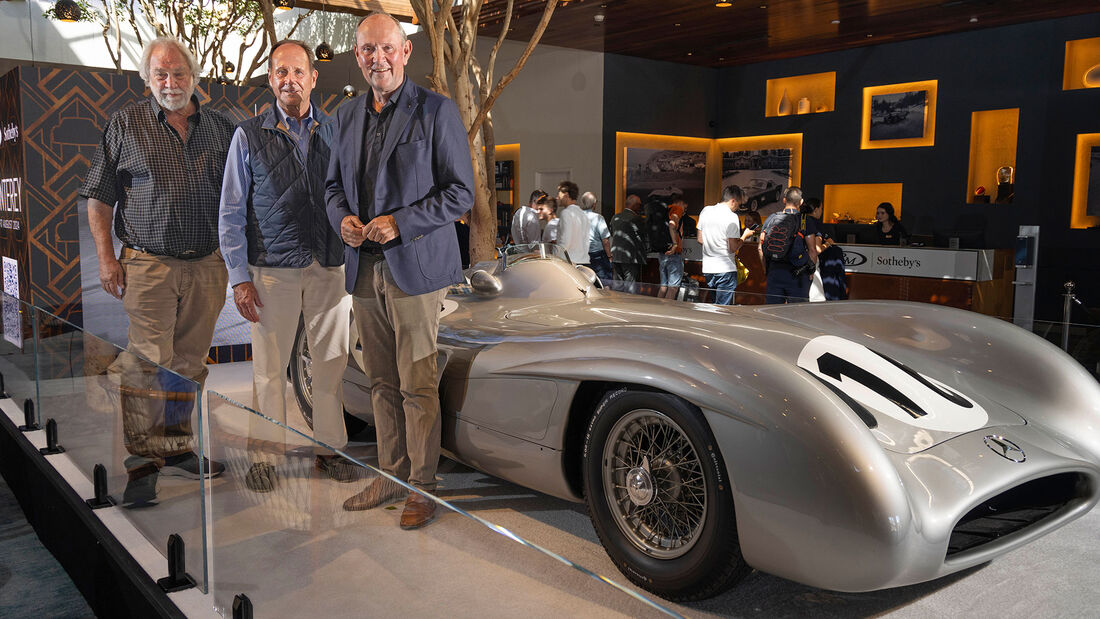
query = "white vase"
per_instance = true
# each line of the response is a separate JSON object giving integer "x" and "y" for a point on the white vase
{"x": 804, "y": 105}
{"x": 784, "y": 105}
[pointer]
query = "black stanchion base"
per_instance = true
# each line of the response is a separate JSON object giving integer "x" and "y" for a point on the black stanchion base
{"x": 34, "y": 427}
{"x": 168, "y": 585}
{"x": 46, "y": 451}
{"x": 106, "y": 502}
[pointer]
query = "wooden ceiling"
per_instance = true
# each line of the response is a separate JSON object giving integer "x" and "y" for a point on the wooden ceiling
{"x": 697, "y": 32}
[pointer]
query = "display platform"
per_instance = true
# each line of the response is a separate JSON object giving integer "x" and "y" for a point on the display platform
{"x": 497, "y": 550}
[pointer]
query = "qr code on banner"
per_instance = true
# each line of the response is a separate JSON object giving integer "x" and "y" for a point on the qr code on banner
{"x": 13, "y": 331}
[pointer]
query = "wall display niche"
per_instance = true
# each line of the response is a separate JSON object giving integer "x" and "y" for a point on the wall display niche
{"x": 856, "y": 203}
{"x": 1086, "y": 182}
{"x": 992, "y": 156}
{"x": 899, "y": 115}
{"x": 506, "y": 158}
{"x": 801, "y": 94}
{"x": 1082, "y": 66}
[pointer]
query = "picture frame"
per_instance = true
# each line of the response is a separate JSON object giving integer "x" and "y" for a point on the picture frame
{"x": 632, "y": 146}
{"x": 899, "y": 115}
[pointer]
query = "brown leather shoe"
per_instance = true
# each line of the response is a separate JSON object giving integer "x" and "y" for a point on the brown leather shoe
{"x": 419, "y": 511}
{"x": 381, "y": 490}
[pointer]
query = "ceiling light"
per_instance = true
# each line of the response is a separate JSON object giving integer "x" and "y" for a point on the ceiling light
{"x": 835, "y": 21}
{"x": 67, "y": 10}
{"x": 284, "y": 5}
{"x": 230, "y": 68}
{"x": 349, "y": 91}
{"x": 323, "y": 52}
{"x": 722, "y": 4}
{"x": 973, "y": 20}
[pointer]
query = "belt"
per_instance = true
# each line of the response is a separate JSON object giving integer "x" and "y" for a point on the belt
{"x": 190, "y": 255}
{"x": 374, "y": 250}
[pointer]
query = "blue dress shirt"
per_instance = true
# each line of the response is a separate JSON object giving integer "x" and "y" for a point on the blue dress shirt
{"x": 235, "y": 189}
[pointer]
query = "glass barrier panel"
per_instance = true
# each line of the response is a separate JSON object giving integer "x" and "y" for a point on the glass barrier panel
{"x": 293, "y": 533}
{"x": 17, "y": 353}
{"x": 137, "y": 419}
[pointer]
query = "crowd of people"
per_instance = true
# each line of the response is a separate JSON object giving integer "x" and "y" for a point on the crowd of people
{"x": 617, "y": 250}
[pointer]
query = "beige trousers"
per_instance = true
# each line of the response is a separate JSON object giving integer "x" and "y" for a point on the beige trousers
{"x": 315, "y": 293}
{"x": 398, "y": 334}
{"x": 173, "y": 306}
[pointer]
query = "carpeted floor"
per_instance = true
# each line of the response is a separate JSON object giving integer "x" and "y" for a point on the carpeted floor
{"x": 32, "y": 582}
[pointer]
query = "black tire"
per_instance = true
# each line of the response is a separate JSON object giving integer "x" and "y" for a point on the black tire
{"x": 691, "y": 488}
{"x": 300, "y": 378}
{"x": 755, "y": 205}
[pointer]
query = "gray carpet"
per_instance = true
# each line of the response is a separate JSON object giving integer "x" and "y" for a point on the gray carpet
{"x": 32, "y": 582}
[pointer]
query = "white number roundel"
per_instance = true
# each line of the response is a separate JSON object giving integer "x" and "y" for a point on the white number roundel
{"x": 886, "y": 386}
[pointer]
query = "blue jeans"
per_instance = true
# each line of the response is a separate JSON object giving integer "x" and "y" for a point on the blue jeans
{"x": 672, "y": 269}
{"x": 601, "y": 264}
{"x": 723, "y": 285}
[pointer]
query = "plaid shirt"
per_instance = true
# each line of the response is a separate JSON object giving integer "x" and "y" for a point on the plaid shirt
{"x": 166, "y": 191}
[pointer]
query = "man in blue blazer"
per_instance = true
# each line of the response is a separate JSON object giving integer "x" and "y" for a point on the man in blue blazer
{"x": 399, "y": 176}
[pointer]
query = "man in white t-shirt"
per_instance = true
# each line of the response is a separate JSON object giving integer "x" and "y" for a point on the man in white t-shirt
{"x": 720, "y": 235}
{"x": 573, "y": 230}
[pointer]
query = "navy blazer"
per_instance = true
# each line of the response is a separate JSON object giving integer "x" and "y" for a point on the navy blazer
{"x": 425, "y": 180}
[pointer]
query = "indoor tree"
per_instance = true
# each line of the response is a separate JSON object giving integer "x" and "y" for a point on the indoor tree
{"x": 459, "y": 74}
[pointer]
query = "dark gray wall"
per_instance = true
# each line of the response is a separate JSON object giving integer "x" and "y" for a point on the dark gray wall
{"x": 1015, "y": 66}
{"x": 645, "y": 96}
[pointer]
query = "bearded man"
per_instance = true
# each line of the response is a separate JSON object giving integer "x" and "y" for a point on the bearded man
{"x": 157, "y": 175}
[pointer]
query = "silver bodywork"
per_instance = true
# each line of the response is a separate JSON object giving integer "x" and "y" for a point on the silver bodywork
{"x": 790, "y": 394}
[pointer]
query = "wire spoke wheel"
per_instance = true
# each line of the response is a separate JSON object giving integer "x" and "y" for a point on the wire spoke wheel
{"x": 654, "y": 484}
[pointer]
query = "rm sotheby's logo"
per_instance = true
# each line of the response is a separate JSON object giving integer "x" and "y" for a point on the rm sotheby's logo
{"x": 853, "y": 258}
{"x": 11, "y": 133}
{"x": 1004, "y": 448}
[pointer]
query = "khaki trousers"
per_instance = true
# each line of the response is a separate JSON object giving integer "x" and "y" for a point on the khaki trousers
{"x": 315, "y": 293}
{"x": 173, "y": 306}
{"x": 398, "y": 334}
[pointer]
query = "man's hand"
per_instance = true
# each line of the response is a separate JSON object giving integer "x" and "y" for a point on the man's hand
{"x": 112, "y": 276}
{"x": 352, "y": 231}
{"x": 247, "y": 299}
{"x": 382, "y": 229}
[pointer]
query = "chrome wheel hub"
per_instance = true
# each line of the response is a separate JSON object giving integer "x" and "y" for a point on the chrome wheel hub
{"x": 654, "y": 484}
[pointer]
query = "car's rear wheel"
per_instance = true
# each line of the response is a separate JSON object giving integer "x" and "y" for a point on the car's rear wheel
{"x": 755, "y": 206}
{"x": 301, "y": 377}
{"x": 658, "y": 496}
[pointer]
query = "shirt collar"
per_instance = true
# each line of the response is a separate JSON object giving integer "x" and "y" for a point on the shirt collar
{"x": 284, "y": 120}
{"x": 393, "y": 96}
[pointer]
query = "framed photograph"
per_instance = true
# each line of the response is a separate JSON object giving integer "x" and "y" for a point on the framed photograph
{"x": 899, "y": 115}
{"x": 763, "y": 174}
{"x": 661, "y": 173}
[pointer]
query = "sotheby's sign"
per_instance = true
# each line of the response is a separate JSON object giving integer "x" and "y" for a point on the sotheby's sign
{"x": 965, "y": 264}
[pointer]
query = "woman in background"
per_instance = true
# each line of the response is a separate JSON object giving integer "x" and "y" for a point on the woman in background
{"x": 889, "y": 229}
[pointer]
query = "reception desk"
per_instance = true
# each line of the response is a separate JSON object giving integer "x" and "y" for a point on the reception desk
{"x": 974, "y": 279}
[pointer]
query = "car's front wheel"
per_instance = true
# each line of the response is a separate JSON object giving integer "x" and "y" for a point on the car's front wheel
{"x": 755, "y": 206}
{"x": 658, "y": 496}
{"x": 301, "y": 378}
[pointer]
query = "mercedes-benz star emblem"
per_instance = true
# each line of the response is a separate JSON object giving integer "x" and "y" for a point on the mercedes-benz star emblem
{"x": 1005, "y": 448}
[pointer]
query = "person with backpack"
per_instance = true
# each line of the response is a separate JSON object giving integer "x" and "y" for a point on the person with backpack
{"x": 788, "y": 250}
{"x": 721, "y": 236}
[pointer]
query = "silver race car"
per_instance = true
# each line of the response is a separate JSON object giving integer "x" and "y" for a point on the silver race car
{"x": 851, "y": 446}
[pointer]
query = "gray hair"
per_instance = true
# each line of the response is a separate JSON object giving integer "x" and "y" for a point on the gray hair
{"x": 587, "y": 201}
{"x": 159, "y": 42}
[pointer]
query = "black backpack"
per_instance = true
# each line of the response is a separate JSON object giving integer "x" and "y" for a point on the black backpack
{"x": 656, "y": 224}
{"x": 785, "y": 240}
